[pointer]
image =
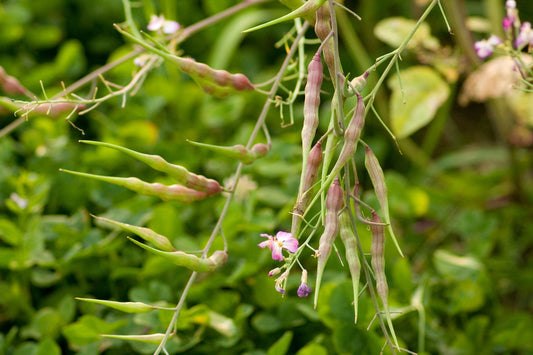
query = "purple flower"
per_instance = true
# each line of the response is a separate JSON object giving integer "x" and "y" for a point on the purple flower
{"x": 303, "y": 290}
{"x": 282, "y": 240}
{"x": 507, "y": 23}
{"x": 525, "y": 36}
{"x": 159, "y": 22}
{"x": 484, "y": 48}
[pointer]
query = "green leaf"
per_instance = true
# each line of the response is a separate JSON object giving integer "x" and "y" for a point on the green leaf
{"x": 394, "y": 30}
{"x": 424, "y": 92}
{"x": 48, "y": 347}
{"x": 9, "y": 232}
{"x": 313, "y": 349}
{"x": 88, "y": 329}
{"x": 456, "y": 267}
{"x": 281, "y": 346}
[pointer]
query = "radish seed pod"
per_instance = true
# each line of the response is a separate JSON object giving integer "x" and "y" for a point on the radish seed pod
{"x": 352, "y": 256}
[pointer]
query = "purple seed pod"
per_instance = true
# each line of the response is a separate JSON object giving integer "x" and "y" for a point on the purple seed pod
{"x": 311, "y": 102}
{"x": 147, "y": 234}
{"x": 177, "y": 172}
{"x": 334, "y": 203}
{"x": 377, "y": 253}
{"x": 304, "y": 197}
{"x": 352, "y": 256}
{"x": 166, "y": 193}
{"x": 351, "y": 135}
{"x": 322, "y": 30}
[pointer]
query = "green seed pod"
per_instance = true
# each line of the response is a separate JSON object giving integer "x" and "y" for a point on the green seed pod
{"x": 239, "y": 152}
{"x": 352, "y": 256}
{"x": 166, "y": 193}
{"x": 191, "y": 262}
{"x": 177, "y": 172}
{"x": 128, "y": 307}
{"x": 156, "y": 338}
{"x": 306, "y": 10}
{"x": 334, "y": 202}
{"x": 309, "y": 178}
{"x": 378, "y": 181}
{"x": 147, "y": 234}
{"x": 294, "y": 4}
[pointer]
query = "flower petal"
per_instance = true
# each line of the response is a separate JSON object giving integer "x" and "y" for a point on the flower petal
{"x": 170, "y": 27}
{"x": 303, "y": 290}
{"x": 266, "y": 243}
{"x": 155, "y": 22}
{"x": 276, "y": 252}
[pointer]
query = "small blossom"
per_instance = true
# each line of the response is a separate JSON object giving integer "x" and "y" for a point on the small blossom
{"x": 303, "y": 290}
{"x": 274, "y": 272}
{"x": 525, "y": 36}
{"x": 159, "y": 22}
{"x": 141, "y": 60}
{"x": 507, "y": 23}
{"x": 485, "y": 48}
{"x": 279, "y": 282}
{"x": 510, "y": 4}
{"x": 282, "y": 240}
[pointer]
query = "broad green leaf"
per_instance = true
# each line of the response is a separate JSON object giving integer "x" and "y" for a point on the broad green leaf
{"x": 313, "y": 349}
{"x": 424, "y": 92}
{"x": 9, "y": 232}
{"x": 48, "y": 347}
{"x": 88, "y": 329}
{"x": 394, "y": 30}
{"x": 281, "y": 346}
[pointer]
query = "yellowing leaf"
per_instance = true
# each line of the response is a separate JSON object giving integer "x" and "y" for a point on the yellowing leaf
{"x": 424, "y": 92}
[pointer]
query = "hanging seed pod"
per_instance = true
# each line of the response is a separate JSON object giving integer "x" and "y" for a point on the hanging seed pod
{"x": 177, "y": 172}
{"x": 322, "y": 30}
{"x": 334, "y": 204}
{"x": 239, "y": 152}
{"x": 166, "y": 193}
{"x": 377, "y": 254}
{"x": 308, "y": 8}
{"x": 309, "y": 178}
{"x": 378, "y": 181}
{"x": 311, "y": 103}
{"x": 351, "y": 136}
{"x": 128, "y": 307}
{"x": 352, "y": 256}
{"x": 156, "y": 338}
{"x": 191, "y": 262}
{"x": 145, "y": 233}
{"x": 215, "y": 82}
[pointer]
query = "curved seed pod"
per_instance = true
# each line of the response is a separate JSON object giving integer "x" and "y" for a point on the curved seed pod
{"x": 308, "y": 8}
{"x": 191, "y": 262}
{"x": 145, "y": 233}
{"x": 352, "y": 256}
{"x": 334, "y": 204}
{"x": 294, "y": 4}
{"x": 156, "y": 338}
{"x": 177, "y": 172}
{"x": 215, "y": 82}
{"x": 311, "y": 103}
{"x": 239, "y": 152}
{"x": 128, "y": 307}
{"x": 309, "y": 178}
{"x": 351, "y": 135}
{"x": 378, "y": 181}
{"x": 322, "y": 30}
{"x": 166, "y": 193}
{"x": 377, "y": 254}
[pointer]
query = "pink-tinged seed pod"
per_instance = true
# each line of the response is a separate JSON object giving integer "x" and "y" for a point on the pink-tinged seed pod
{"x": 304, "y": 196}
{"x": 177, "y": 172}
{"x": 352, "y": 256}
{"x": 311, "y": 102}
{"x": 351, "y": 135}
{"x": 222, "y": 77}
{"x": 334, "y": 203}
{"x": 240, "y": 82}
{"x": 147, "y": 234}
{"x": 377, "y": 253}
{"x": 166, "y": 193}
{"x": 191, "y": 262}
{"x": 239, "y": 152}
{"x": 322, "y": 30}
{"x": 58, "y": 109}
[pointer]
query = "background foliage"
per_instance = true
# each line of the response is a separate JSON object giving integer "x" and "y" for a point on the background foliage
{"x": 461, "y": 195}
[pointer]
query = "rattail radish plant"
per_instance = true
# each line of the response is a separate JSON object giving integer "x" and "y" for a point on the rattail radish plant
{"x": 337, "y": 106}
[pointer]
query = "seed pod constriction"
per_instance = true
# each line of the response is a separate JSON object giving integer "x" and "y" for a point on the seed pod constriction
{"x": 166, "y": 193}
{"x": 145, "y": 233}
{"x": 191, "y": 262}
{"x": 352, "y": 256}
{"x": 177, "y": 172}
{"x": 334, "y": 202}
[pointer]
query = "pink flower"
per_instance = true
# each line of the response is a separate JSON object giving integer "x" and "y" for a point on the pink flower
{"x": 525, "y": 36}
{"x": 484, "y": 48}
{"x": 282, "y": 240}
{"x": 159, "y": 22}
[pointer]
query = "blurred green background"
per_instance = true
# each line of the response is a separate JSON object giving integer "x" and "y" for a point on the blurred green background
{"x": 461, "y": 193}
